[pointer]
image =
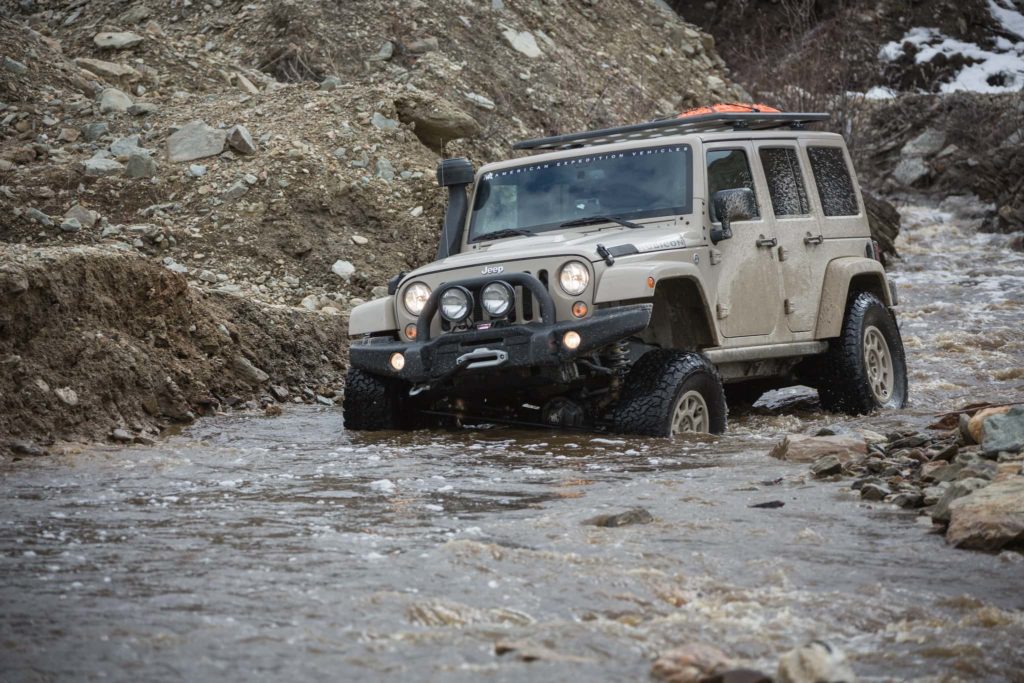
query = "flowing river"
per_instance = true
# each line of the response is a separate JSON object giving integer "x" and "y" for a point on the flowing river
{"x": 258, "y": 548}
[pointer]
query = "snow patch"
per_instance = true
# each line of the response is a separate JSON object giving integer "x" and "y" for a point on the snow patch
{"x": 996, "y": 70}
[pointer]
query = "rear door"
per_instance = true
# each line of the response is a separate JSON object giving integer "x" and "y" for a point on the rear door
{"x": 749, "y": 290}
{"x": 795, "y": 226}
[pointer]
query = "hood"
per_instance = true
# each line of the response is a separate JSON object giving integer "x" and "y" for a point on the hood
{"x": 656, "y": 235}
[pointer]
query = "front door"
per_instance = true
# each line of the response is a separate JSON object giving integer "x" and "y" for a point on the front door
{"x": 748, "y": 296}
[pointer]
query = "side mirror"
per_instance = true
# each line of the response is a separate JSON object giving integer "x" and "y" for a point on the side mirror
{"x": 737, "y": 204}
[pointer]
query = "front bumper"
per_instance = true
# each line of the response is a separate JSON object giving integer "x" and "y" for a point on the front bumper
{"x": 514, "y": 346}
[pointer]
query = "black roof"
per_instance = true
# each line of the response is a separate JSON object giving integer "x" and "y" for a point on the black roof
{"x": 717, "y": 121}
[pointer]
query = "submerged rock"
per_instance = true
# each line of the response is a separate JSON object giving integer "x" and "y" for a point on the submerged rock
{"x": 801, "y": 448}
{"x": 634, "y": 516}
{"x": 816, "y": 662}
{"x": 690, "y": 663}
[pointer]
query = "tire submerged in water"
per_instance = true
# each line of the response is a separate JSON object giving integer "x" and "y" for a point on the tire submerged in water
{"x": 865, "y": 367}
{"x": 372, "y": 403}
{"x": 671, "y": 392}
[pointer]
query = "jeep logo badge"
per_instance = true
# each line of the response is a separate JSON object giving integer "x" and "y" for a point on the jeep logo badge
{"x": 492, "y": 270}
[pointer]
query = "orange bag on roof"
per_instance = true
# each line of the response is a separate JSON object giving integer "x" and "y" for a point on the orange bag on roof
{"x": 729, "y": 107}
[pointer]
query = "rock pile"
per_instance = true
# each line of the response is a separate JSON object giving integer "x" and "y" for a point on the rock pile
{"x": 969, "y": 481}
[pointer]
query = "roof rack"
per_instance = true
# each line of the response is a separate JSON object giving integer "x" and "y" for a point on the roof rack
{"x": 713, "y": 122}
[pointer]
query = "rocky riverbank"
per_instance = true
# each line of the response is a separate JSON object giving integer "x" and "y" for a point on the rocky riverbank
{"x": 966, "y": 475}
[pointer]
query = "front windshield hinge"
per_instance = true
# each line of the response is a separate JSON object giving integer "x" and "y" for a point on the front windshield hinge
{"x": 603, "y": 252}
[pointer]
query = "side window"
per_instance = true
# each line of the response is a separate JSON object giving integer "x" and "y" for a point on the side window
{"x": 728, "y": 169}
{"x": 785, "y": 182}
{"x": 832, "y": 177}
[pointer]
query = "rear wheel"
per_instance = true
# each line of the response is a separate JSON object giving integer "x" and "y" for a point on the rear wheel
{"x": 668, "y": 393}
{"x": 372, "y": 403}
{"x": 865, "y": 368}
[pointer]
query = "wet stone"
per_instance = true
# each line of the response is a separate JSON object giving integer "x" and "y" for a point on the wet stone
{"x": 907, "y": 499}
{"x": 827, "y": 465}
{"x": 958, "y": 489}
{"x": 634, "y": 516}
{"x": 874, "y": 492}
{"x": 122, "y": 435}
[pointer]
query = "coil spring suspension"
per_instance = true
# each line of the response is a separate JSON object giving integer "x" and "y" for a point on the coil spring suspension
{"x": 617, "y": 357}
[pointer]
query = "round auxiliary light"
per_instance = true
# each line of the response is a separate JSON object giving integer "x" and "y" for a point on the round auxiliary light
{"x": 410, "y": 331}
{"x": 397, "y": 361}
{"x": 571, "y": 340}
{"x": 574, "y": 278}
{"x": 456, "y": 304}
{"x": 497, "y": 298}
{"x": 415, "y": 298}
{"x": 580, "y": 309}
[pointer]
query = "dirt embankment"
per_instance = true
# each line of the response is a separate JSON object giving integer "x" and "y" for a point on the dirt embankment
{"x": 99, "y": 344}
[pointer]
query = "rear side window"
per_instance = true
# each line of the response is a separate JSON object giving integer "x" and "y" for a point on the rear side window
{"x": 832, "y": 177}
{"x": 728, "y": 169}
{"x": 785, "y": 182}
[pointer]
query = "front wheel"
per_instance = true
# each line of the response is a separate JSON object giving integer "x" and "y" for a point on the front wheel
{"x": 373, "y": 403}
{"x": 668, "y": 393}
{"x": 865, "y": 367}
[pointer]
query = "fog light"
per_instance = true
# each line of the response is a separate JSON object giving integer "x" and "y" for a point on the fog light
{"x": 571, "y": 340}
{"x": 410, "y": 331}
{"x": 579, "y": 309}
{"x": 397, "y": 361}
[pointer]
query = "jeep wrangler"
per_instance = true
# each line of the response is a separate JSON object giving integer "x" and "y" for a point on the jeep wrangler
{"x": 629, "y": 278}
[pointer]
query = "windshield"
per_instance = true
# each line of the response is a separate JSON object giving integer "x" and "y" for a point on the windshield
{"x": 628, "y": 184}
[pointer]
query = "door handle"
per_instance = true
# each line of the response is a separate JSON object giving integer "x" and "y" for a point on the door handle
{"x": 816, "y": 239}
{"x": 767, "y": 241}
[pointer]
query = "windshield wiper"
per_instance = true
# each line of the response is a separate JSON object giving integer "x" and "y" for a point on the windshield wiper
{"x": 593, "y": 220}
{"x": 499, "y": 234}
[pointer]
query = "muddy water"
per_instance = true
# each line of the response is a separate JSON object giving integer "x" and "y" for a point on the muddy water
{"x": 285, "y": 548}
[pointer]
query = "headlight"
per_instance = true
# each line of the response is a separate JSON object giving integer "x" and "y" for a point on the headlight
{"x": 416, "y": 296}
{"x": 574, "y": 278}
{"x": 456, "y": 304}
{"x": 496, "y": 299}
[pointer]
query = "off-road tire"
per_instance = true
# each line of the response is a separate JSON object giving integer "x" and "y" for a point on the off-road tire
{"x": 845, "y": 385}
{"x": 654, "y": 384}
{"x": 372, "y": 403}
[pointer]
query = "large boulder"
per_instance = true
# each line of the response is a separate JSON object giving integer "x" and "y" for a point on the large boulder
{"x": 195, "y": 140}
{"x": 801, "y": 448}
{"x": 436, "y": 121}
{"x": 990, "y": 518}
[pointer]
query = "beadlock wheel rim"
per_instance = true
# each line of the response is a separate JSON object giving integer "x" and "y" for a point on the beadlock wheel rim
{"x": 690, "y": 414}
{"x": 878, "y": 361}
